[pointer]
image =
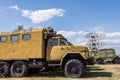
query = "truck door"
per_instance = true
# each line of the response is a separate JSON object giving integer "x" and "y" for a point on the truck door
{"x": 54, "y": 50}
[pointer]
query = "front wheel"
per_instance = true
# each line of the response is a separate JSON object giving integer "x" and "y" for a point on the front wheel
{"x": 74, "y": 68}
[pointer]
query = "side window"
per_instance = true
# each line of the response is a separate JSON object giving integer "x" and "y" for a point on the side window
{"x": 26, "y": 37}
{"x": 63, "y": 42}
{"x": 53, "y": 42}
{"x": 3, "y": 39}
{"x": 14, "y": 38}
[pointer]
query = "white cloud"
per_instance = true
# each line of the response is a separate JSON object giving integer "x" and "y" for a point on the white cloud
{"x": 77, "y": 38}
{"x": 72, "y": 33}
{"x": 67, "y": 33}
{"x": 82, "y": 33}
{"x": 111, "y": 41}
{"x": 113, "y": 35}
{"x": 14, "y": 7}
{"x": 39, "y": 16}
{"x": 80, "y": 41}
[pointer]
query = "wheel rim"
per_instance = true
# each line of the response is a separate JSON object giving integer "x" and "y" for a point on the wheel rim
{"x": 74, "y": 69}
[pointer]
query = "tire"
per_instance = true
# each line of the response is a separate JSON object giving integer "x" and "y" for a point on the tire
{"x": 116, "y": 61}
{"x": 100, "y": 61}
{"x": 4, "y": 69}
{"x": 19, "y": 69}
{"x": 74, "y": 68}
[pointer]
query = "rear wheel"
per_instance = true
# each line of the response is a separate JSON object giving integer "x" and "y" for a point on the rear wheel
{"x": 4, "y": 69}
{"x": 19, "y": 69}
{"x": 74, "y": 68}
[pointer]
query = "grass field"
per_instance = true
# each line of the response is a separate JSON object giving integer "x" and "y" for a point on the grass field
{"x": 95, "y": 72}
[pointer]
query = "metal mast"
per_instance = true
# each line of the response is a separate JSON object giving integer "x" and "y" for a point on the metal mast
{"x": 93, "y": 42}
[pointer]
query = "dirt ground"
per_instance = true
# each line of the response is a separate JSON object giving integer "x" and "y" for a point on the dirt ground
{"x": 93, "y": 72}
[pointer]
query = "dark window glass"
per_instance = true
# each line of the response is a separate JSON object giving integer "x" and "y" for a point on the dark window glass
{"x": 26, "y": 37}
{"x": 3, "y": 39}
{"x": 63, "y": 42}
{"x": 14, "y": 38}
{"x": 53, "y": 42}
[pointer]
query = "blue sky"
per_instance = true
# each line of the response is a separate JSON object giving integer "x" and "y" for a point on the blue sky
{"x": 79, "y": 14}
{"x": 71, "y": 17}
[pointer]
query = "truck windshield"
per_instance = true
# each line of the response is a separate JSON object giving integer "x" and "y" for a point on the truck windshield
{"x": 63, "y": 42}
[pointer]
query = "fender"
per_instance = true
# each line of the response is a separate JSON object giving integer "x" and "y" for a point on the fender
{"x": 76, "y": 55}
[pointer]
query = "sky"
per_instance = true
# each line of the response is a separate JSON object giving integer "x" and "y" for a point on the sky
{"x": 72, "y": 18}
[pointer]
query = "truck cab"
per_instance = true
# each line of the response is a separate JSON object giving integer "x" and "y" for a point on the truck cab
{"x": 58, "y": 47}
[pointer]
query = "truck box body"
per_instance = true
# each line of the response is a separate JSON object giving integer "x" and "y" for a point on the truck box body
{"x": 22, "y": 49}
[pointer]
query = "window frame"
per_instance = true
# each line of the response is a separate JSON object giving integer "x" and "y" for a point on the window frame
{"x": 26, "y": 39}
{"x": 15, "y": 40}
{"x": 5, "y": 40}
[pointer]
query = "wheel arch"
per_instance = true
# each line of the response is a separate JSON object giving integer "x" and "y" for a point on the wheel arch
{"x": 69, "y": 56}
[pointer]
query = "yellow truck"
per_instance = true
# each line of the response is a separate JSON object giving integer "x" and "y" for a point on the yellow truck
{"x": 40, "y": 48}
